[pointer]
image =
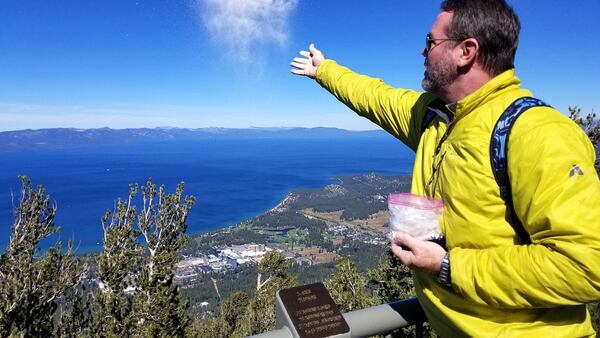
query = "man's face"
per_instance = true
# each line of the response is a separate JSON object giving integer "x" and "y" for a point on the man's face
{"x": 440, "y": 70}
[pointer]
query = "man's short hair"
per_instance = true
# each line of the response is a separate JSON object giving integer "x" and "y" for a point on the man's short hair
{"x": 495, "y": 26}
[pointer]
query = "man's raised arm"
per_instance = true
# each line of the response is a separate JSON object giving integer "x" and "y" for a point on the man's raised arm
{"x": 398, "y": 111}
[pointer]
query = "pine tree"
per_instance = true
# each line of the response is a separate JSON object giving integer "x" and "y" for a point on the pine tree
{"x": 391, "y": 280}
{"x": 233, "y": 308}
{"x": 116, "y": 270}
{"x": 347, "y": 287}
{"x": 30, "y": 285}
{"x": 260, "y": 313}
{"x": 274, "y": 265}
{"x": 75, "y": 320}
{"x": 137, "y": 297}
{"x": 591, "y": 126}
{"x": 213, "y": 328}
{"x": 159, "y": 309}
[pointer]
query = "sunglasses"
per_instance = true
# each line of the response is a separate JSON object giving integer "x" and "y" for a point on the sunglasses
{"x": 431, "y": 43}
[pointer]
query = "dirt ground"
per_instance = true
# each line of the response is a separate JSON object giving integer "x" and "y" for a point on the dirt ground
{"x": 376, "y": 222}
{"x": 318, "y": 257}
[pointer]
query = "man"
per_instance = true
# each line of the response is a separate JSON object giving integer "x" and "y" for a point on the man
{"x": 487, "y": 282}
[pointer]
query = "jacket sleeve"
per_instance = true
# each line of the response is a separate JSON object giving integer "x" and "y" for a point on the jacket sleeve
{"x": 556, "y": 193}
{"x": 398, "y": 111}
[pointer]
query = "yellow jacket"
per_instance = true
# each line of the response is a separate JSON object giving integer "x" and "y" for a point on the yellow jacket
{"x": 499, "y": 288}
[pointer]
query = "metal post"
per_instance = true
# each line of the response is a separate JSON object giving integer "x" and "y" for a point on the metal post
{"x": 384, "y": 318}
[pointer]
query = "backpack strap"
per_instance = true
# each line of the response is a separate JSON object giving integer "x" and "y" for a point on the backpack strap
{"x": 499, "y": 156}
{"x": 437, "y": 107}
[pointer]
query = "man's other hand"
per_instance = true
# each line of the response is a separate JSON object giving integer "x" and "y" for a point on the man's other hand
{"x": 418, "y": 254}
{"x": 308, "y": 65}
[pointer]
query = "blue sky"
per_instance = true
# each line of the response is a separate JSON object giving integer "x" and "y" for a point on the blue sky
{"x": 225, "y": 63}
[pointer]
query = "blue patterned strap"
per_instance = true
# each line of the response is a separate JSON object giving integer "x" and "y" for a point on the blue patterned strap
{"x": 427, "y": 119}
{"x": 499, "y": 153}
{"x": 436, "y": 108}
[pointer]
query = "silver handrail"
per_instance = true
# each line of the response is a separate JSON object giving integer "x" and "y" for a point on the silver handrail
{"x": 379, "y": 319}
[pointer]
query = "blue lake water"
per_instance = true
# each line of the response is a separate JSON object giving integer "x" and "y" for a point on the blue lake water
{"x": 232, "y": 179}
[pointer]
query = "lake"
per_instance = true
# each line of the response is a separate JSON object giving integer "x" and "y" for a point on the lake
{"x": 232, "y": 179}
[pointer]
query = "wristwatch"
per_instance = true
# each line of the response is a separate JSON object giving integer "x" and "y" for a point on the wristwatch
{"x": 444, "y": 275}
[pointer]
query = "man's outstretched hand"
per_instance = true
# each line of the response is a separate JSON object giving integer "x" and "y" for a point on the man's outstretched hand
{"x": 308, "y": 65}
{"x": 418, "y": 254}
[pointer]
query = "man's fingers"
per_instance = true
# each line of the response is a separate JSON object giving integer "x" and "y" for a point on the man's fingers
{"x": 406, "y": 257}
{"x": 304, "y": 66}
{"x": 406, "y": 240}
{"x": 396, "y": 249}
{"x": 301, "y": 60}
{"x": 298, "y": 65}
{"x": 315, "y": 53}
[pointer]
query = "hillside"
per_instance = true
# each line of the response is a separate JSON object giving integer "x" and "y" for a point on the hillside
{"x": 61, "y": 138}
{"x": 311, "y": 226}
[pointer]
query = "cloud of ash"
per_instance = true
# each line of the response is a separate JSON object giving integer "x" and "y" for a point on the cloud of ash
{"x": 242, "y": 25}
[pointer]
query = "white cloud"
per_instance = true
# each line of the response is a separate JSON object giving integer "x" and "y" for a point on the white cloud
{"x": 243, "y": 25}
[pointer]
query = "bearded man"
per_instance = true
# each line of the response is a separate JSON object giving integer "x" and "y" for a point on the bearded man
{"x": 490, "y": 279}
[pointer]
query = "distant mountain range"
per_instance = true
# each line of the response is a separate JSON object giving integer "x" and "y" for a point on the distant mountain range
{"x": 61, "y": 138}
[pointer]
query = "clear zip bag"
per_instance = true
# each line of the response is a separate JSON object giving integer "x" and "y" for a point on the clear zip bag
{"x": 415, "y": 215}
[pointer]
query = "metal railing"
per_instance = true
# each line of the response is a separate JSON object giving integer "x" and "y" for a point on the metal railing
{"x": 380, "y": 319}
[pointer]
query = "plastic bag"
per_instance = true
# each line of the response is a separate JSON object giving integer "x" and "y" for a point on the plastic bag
{"x": 415, "y": 215}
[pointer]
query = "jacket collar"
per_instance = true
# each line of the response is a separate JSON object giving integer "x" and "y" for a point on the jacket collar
{"x": 493, "y": 88}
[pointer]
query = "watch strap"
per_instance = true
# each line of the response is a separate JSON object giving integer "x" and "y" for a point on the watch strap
{"x": 444, "y": 275}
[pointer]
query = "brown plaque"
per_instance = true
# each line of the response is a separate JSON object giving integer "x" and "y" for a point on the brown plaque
{"x": 313, "y": 312}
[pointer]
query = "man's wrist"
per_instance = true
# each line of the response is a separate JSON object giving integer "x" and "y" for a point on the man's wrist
{"x": 444, "y": 277}
{"x": 320, "y": 68}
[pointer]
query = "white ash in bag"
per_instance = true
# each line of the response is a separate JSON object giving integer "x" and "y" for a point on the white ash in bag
{"x": 415, "y": 215}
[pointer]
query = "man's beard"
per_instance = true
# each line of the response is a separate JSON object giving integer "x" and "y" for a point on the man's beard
{"x": 439, "y": 75}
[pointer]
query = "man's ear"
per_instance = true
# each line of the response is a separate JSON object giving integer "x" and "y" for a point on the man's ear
{"x": 469, "y": 48}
